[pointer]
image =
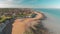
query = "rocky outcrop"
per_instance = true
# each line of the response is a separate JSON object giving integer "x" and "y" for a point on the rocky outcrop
{"x": 37, "y": 28}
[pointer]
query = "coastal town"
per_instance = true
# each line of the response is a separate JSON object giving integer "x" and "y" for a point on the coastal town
{"x": 21, "y": 21}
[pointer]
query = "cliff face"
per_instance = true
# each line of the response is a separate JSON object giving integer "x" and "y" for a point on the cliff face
{"x": 8, "y": 28}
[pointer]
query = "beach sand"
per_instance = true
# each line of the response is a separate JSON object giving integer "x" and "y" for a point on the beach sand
{"x": 19, "y": 25}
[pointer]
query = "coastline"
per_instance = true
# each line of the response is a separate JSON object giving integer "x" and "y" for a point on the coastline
{"x": 51, "y": 21}
{"x": 26, "y": 23}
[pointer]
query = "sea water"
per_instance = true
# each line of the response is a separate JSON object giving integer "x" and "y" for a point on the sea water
{"x": 52, "y": 23}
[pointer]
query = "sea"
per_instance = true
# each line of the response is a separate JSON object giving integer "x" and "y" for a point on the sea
{"x": 52, "y": 22}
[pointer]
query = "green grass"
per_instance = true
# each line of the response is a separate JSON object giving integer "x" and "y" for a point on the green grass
{"x": 3, "y": 18}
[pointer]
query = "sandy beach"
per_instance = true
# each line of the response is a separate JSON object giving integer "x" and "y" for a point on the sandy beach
{"x": 20, "y": 25}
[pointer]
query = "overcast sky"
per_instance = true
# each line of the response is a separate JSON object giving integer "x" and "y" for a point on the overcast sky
{"x": 30, "y": 3}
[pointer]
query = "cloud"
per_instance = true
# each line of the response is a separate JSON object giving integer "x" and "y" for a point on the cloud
{"x": 28, "y": 4}
{"x": 25, "y": 6}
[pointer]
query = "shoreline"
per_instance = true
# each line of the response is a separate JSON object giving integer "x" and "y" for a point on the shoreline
{"x": 25, "y": 23}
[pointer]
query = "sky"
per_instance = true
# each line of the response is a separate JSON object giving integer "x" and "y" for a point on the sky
{"x": 30, "y": 3}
